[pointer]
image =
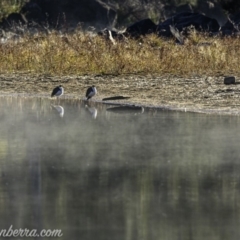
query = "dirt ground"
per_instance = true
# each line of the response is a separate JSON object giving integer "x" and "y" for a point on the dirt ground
{"x": 197, "y": 94}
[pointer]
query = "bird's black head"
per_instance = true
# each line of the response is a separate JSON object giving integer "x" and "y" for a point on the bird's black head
{"x": 60, "y": 85}
{"x": 93, "y": 86}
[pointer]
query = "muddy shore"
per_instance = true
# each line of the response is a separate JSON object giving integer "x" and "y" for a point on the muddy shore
{"x": 196, "y": 94}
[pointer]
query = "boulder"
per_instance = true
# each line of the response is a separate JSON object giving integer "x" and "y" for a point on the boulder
{"x": 229, "y": 80}
{"x": 188, "y": 19}
{"x": 12, "y": 20}
{"x": 141, "y": 28}
{"x": 232, "y": 26}
{"x": 212, "y": 9}
{"x": 34, "y": 13}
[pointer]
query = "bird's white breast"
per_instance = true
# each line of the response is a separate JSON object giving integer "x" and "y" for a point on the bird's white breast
{"x": 60, "y": 91}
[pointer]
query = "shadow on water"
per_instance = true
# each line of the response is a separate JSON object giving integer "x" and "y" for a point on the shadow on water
{"x": 97, "y": 174}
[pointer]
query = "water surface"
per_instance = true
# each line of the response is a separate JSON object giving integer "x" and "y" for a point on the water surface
{"x": 100, "y": 174}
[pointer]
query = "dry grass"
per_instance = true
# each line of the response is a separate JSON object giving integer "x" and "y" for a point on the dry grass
{"x": 81, "y": 53}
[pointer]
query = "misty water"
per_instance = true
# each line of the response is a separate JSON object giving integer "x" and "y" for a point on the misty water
{"x": 100, "y": 174}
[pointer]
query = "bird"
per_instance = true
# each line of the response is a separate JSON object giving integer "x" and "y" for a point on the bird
{"x": 91, "y": 91}
{"x": 57, "y": 91}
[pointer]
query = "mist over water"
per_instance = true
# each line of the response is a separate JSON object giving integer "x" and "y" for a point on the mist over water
{"x": 98, "y": 174}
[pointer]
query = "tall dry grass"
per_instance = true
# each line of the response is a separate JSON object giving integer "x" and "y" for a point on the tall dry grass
{"x": 82, "y": 53}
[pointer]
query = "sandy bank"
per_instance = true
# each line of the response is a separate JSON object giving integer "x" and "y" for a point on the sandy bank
{"x": 195, "y": 94}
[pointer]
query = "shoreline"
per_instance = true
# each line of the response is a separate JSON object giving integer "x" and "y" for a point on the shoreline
{"x": 200, "y": 94}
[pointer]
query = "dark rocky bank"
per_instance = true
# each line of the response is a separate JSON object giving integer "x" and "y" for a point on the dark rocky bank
{"x": 41, "y": 15}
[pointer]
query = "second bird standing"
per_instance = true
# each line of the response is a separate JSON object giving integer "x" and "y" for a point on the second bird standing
{"x": 91, "y": 91}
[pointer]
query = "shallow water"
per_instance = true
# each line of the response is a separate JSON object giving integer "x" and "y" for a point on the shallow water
{"x": 100, "y": 174}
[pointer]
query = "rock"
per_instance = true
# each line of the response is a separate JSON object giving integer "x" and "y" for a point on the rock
{"x": 12, "y": 20}
{"x": 232, "y": 25}
{"x": 141, "y": 28}
{"x": 34, "y": 13}
{"x": 230, "y": 6}
{"x": 184, "y": 20}
{"x": 212, "y": 9}
{"x": 229, "y": 80}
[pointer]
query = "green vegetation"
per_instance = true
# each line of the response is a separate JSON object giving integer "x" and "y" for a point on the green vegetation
{"x": 129, "y": 11}
{"x": 81, "y": 53}
{"x": 10, "y": 6}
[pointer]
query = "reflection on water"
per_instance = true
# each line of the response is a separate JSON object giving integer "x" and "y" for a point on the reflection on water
{"x": 126, "y": 109}
{"x": 59, "y": 109}
{"x": 156, "y": 175}
{"x": 92, "y": 111}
